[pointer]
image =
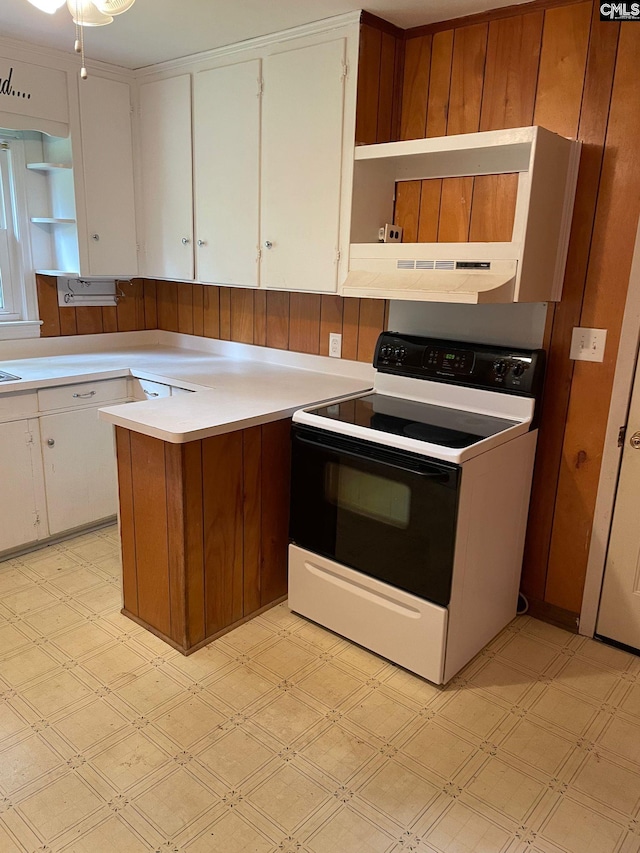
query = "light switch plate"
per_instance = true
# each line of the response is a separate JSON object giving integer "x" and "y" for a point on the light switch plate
{"x": 588, "y": 344}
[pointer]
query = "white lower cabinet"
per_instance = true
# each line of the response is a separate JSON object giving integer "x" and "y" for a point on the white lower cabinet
{"x": 21, "y": 481}
{"x": 57, "y": 459}
{"x": 79, "y": 469}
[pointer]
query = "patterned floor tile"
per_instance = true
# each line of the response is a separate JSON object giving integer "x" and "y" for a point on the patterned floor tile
{"x": 282, "y": 737}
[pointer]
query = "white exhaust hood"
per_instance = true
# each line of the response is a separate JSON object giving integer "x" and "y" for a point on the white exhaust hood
{"x": 527, "y": 268}
{"x": 411, "y": 275}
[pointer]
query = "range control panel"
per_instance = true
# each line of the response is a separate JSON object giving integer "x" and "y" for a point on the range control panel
{"x": 494, "y": 368}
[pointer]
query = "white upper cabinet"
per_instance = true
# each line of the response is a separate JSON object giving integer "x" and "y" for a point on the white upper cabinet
{"x": 226, "y": 137}
{"x": 107, "y": 157}
{"x": 166, "y": 226}
{"x": 302, "y": 140}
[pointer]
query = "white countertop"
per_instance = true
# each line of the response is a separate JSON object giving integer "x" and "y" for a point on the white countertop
{"x": 231, "y": 392}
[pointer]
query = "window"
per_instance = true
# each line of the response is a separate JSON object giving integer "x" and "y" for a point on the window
{"x": 18, "y": 301}
{"x": 10, "y": 272}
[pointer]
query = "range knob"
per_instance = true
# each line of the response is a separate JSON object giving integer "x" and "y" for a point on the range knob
{"x": 386, "y": 351}
{"x": 518, "y": 368}
{"x": 500, "y": 367}
{"x": 400, "y": 353}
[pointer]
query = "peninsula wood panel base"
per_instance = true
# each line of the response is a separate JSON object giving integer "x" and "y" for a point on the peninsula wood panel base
{"x": 204, "y": 530}
{"x": 206, "y": 640}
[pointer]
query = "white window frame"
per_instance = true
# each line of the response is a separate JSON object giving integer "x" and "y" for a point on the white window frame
{"x": 9, "y": 237}
{"x": 19, "y": 317}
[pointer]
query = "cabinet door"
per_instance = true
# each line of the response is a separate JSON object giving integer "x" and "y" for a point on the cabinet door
{"x": 107, "y": 158}
{"x": 79, "y": 469}
{"x": 18, "y": 510}
{"x": 227, "y": 174}
{"x": 166, "y": 169}
{"x": 301, "y": 167}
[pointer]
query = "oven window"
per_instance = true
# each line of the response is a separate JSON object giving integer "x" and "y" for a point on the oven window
{"x": 368, "y": 495}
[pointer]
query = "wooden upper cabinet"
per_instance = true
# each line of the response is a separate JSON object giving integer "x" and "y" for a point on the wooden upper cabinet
{"x": 226, "y": 138}
{"x": 302, "y": 139}
{"x": 107, "y": 159}
{"x": 166, "y": 210}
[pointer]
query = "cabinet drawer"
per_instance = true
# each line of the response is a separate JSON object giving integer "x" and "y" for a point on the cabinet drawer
{"x": 15, "y": 406}
{"x": 144, "y": 389}
{"x": 84, "y": 394}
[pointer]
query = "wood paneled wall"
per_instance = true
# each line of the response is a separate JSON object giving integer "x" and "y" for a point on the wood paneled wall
{"x": 300, "y": 322}
{"x": 135, "y": 311}
{"x": 553, "y": 64}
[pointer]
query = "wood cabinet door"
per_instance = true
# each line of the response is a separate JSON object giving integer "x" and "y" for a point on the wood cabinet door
{"x": 107, "y": 160}
{"x": 227, "y": 174}
{"x": 18, "y": 511}
{"x": 166, "y": 229}
{"x": 79, "y": 469}
{"x": 302, "y": 125}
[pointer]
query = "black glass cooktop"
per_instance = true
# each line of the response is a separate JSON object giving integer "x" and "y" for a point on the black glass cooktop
{"x": 422, "y": 421}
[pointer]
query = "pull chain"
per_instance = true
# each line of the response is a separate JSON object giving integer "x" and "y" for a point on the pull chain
{"x": 79, "y": 43}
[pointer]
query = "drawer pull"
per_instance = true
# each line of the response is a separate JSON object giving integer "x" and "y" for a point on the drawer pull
{"x": 88, "y": 394}
{"x": 51, "y": 442}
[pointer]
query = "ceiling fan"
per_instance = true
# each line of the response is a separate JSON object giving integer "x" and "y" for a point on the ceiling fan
{"x": 86, "y": 13}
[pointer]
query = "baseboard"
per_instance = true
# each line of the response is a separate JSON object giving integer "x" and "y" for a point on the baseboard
{"x": 554, "y": 615}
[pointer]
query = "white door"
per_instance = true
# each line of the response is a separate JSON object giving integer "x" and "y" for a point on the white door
{"x": 166, "y": 169}
{"x": 79, "y": 469}
{"x": 227, "y": 173}
{"x": 18, "y": 510}
{"x": 619, "y": 614}
{"x": 107, "y": 156}
{"x": 301, "y": 167}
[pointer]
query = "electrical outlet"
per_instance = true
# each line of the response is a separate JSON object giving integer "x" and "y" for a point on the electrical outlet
{"x": 335, "y": 345}
{"x": 390, "y": 234}
{"x": 588, "y": 344}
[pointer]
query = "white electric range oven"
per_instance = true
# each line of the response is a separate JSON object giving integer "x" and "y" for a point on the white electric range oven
{"x": 409, "y": 503}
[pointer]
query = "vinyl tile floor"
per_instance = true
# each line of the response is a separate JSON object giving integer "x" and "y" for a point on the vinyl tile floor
{"x": 281, "y": 736}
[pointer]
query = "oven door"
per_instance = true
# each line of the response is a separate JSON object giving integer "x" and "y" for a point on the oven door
{"x": 387, "y": 513}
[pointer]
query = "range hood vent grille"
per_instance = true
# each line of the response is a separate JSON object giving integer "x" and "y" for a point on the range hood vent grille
{"x": 405, "y": 264}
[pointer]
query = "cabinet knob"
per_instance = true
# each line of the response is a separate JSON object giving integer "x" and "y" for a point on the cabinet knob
{"x": 634, "y": 441}
{"x": 268, "y": 244}
{"x": 202, "y": 242}
{"x": 95, "y": 237}
{"x": 185, "y": 241}
{"x": 50, "y": 442}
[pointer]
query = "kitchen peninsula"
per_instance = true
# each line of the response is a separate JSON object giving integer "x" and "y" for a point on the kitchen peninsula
{"x": 204, "y": 494}
{"x": 203, "y": 463}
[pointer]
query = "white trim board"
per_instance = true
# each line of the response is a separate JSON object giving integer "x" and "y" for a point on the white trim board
{"x": 611, "y": 455}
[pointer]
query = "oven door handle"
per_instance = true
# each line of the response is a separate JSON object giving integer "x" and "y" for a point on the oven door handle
{"x": 384, "y": 456}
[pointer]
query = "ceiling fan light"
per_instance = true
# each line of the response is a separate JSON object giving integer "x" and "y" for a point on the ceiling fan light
{"x": 85, "y": 13}
{"x": 113, "y": 7}
{"x": 49, "y": 6}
